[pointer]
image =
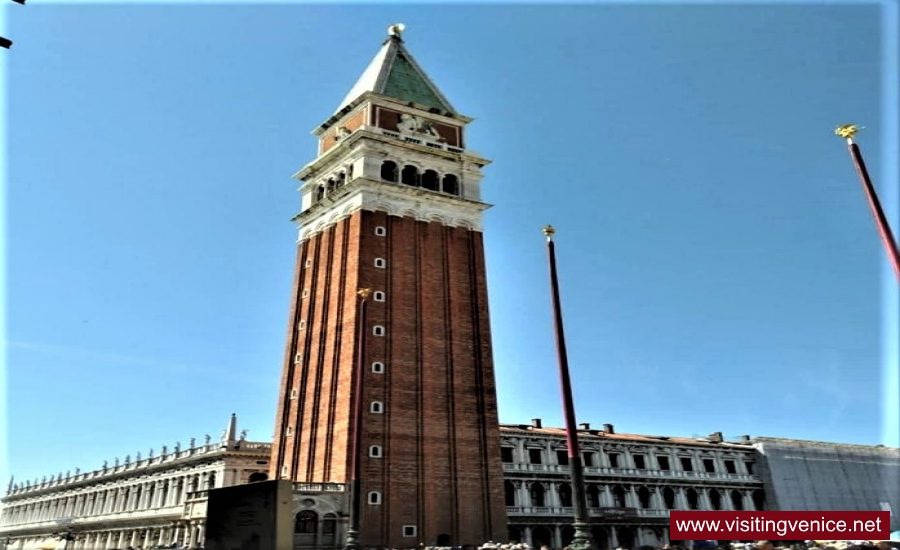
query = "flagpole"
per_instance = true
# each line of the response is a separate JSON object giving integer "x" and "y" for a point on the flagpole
{"x": 583, "y": 539}
{"x": 847, "y": 131}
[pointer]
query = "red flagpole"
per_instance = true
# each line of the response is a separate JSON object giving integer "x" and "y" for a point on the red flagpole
{"x": 847, "y": 131}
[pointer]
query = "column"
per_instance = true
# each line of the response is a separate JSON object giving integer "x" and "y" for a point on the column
{"x": 681, "y": 502}
{"x": 748, "y": 500}
{"x": 526, "y": 534}
{"x": 553, "y": 498}
{"x": 656, "y": 499}
{"x": 192, "y": 539}
{"x": 704, "y": 499}
{"x": 638, "y": 536}
{"x": 726, "y": 500}
{"x": 133, "y": 541}
{"x": 606, "y": 499}
{"x": 524, "y": 498}
{"x": 631, "y": 499}
{"x": 557, "y": 537}
{"x": 613, "y": 538}
{"x": 201, "y": 533}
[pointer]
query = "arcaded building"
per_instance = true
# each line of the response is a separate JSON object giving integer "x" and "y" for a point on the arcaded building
{"x": 138, "y": 501}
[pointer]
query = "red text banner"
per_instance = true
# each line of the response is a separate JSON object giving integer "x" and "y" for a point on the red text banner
{"x": 772, "y": 525}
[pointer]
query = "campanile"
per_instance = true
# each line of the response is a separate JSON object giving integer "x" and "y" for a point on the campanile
{"x": 392, "y": 203}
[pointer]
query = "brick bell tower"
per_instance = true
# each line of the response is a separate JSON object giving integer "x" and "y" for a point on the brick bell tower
{"x": 393, "y": 203}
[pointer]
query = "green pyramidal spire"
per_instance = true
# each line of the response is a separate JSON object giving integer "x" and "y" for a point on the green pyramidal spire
{"x": 394, "y": 73}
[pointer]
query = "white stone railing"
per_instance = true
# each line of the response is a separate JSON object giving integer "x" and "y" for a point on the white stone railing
{"x": 628, "y": 472}
{"x": 173, "y": 511}
{"x": 133, "y": 466}
{"x": 597, "y": 512}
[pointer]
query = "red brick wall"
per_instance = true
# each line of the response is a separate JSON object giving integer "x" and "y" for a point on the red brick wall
{"x": 441, "y": 468}
{"x": 352, "y": 123}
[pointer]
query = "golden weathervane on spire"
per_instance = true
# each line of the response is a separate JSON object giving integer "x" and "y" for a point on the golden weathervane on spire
{"x": 847, "y": 131}
{"x": 549, "y": 231}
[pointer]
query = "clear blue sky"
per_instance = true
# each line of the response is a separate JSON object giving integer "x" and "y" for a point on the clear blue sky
{"x": 720, "y": 269}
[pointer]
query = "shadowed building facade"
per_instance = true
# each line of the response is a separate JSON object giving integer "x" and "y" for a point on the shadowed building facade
{"x": 392, "y": 203}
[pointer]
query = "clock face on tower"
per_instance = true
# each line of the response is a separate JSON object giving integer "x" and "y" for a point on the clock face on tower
{"x": 410, "y": 124}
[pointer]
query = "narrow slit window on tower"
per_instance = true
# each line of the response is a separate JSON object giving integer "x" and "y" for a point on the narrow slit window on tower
{"x": 289, "y": 430}
{"x": 379, "y": 296}
{"x": 294, "y": 393}
{"x": 410, "y": 531}
{"x": 307, "y": 263}
{"x": 378, "y": 367}
{"x": 375, "y": 451}
{"x": 298, "y": 358}
{"x": 302, "y": 324}
{"x": 378, "y": 330}
{"x": 380, "y": 262}
{"x": 374, "y": 498}
{"x": 305, "y": 293}
{"x": 380, "y": 231}
{"x": 377, "y": 407}
{"x": 284, "y": 471}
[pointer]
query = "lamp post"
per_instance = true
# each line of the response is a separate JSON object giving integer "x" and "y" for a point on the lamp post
{"x": 352, "y": 542}
{"x": 847, "y": 131}
{"x": 583, "y": 539}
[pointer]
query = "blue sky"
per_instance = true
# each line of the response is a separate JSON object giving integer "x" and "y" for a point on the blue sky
{"x": 720, "y": 270}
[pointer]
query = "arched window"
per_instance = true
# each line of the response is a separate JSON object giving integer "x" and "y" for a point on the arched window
{"x": 389, "y": 171}
{"x": 306, "y": 522}
{"x": 431, "y": 180}
{"x": 715, "y": 499}
{"x": 618, "y": 494}
{"x": 329, "y": 523}
{"x": 320, "y": 192}
{"x": 410, "y": 176}
{"x": 451, "y": 184}
{"x": 644, "y": 497}
{"x": 593, "y": 496}
{"x": 211, "y": 481}
{"x": 537, "y": 494}
{"x": 693, "y": 499}
{"x": 759, "y": 500}
{"x": 669, "y": 497}
{"x": 509, "y": 490}
{"x": 257, "y": 476}
{"x": 737, "y": 500}
{"x": 565, "y": 495}
{"x": 374, "y": 498}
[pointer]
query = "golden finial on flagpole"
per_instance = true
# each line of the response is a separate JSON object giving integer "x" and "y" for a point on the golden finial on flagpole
{"x": 364, "y": 293}
{"x": 549, "y": 231}
{"x": 847, "y": 131}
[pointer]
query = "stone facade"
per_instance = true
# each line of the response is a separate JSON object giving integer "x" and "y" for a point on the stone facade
{"x": 144, "y": 502}
{"x": 633, "y": 481}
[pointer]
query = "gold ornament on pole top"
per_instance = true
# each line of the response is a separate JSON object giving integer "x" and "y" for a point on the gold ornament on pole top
{"x": 847, "y": 131}
{"x": 364, "y": 293}
{"x": 549, "y": 231}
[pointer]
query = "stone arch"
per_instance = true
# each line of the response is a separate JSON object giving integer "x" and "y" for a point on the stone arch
{"x": 257, "y": 476}
{"x": 450, "y": 184}
{"x": 431, "y": 180}
{"x": 305, "y": 522}
{"x": 643, "y": 495}
{"x": 436, "y": 218}
{"x": 737, "y": 500}
{"x": 390, "y": 171}
{"x": 538, "y": 494}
